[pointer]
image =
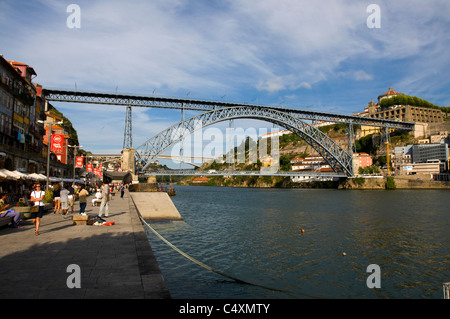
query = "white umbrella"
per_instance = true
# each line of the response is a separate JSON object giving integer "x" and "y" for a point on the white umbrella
{"x": 9, "y": 174}
{"x": 2, "y": 175}
{"x": 37, "y": 177}
{"x": 20, "y": 174}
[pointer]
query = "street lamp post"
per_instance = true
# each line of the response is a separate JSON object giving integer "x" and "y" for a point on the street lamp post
{"x": 49, "y": 123}
{"x": 74, "y": 158}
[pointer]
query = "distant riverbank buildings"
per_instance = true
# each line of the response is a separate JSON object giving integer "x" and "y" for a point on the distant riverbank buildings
{"x": 422, "y": 116}
{"x": 430, "y": 155}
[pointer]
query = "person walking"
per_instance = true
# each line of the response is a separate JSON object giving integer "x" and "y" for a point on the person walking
{"x": 104, "y": 206}
{"x": 56, "y": 199}
{"x": 71, "y": 197}
{"x": 64, "y": 198}
{"x": 37, "y": 196}
{"x": 82, "y": 199}
{"x": 122, "y": 191}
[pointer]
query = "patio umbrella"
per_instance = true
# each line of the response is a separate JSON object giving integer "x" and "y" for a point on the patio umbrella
{"x": 37, "y": 177}
{"x": 9, "y": 174}
{"x": 2, "y": 175}
{"x": 20, "y": 174}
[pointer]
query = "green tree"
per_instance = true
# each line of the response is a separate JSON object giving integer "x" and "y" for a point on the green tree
{"x": 365, "y": 145}
{"x": 390, "y": 183}
{"x": 285, "y": 163}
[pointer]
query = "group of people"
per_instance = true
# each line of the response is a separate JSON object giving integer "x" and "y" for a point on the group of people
{"x": 63, "y": 199}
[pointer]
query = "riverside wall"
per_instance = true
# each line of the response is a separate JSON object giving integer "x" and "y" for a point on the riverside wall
{"x": 400, "y": 182}
{"x": 363, "y": 182}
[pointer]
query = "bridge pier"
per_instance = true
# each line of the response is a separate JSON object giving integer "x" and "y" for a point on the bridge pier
{"x": 128, "y": 162}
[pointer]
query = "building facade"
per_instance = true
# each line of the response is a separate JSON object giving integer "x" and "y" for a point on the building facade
{"x": 426, "y": 153}
{"x": 405, "y": 113}
{"x": 310, "y": 164}
{"x": 408, "y": 113}
{"x": 23, "y": 146}
{"x": 21, "y": 136}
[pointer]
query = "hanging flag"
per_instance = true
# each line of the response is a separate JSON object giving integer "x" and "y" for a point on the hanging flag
{"x": 89, "y": 167}
{"x": 79, "y": 161}
{"x": 57, "y": 143}
{"x": 97, "y": 172}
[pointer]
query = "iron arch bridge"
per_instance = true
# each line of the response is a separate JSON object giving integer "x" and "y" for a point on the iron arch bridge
{"x": 291, "y": 119}
{"x": 336, "y": 156}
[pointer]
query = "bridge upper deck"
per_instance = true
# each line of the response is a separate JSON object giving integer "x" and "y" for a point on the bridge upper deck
{"x": 199, "y": 105}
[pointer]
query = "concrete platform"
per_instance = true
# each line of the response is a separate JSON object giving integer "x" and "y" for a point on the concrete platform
{"x": 115, "y": 262}
{"x": 155, "y": 206}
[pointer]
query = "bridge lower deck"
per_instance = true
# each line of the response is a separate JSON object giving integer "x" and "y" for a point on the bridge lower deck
{"x": 190, "y": 172}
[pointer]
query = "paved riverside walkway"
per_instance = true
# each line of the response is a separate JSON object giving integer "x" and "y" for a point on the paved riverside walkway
{"x": 114, "y": 261}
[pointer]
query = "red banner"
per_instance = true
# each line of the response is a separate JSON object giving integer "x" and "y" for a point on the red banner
{"x": 79, "y": 161}
{"x": 57, "y": 143}
{"x": 89, "y": 167}
{"x": 97, "y": 172}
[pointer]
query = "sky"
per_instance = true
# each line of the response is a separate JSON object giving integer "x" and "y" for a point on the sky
{"x": 329, "y": 55}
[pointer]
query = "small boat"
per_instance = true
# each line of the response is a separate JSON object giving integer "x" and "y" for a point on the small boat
{"x": 169, "y": 189}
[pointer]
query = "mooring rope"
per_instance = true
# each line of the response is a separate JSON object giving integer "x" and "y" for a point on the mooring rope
{"x": 210, "y": 268}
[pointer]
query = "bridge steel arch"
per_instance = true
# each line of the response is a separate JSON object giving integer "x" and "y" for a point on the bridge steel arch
{"x": 338, "y": 159}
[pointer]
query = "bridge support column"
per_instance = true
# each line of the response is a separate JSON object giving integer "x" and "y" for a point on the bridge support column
{"x": 128, "y": 162}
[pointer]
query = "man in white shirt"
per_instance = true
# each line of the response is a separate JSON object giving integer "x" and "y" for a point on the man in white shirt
{"x": 104, "y": 206}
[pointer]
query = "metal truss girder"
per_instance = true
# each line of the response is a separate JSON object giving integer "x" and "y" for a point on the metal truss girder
{"x": 337, "y": 158}
{"x": 199, "y": 105}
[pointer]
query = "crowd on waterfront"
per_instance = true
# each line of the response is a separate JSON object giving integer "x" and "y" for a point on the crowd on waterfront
{"x": 60, "y": 196}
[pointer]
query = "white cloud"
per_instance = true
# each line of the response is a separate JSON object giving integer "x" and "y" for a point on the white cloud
{"x": 362, "y": 76}
{"x": 359, "y": 75}
{"x": 272, "y": 85}
{"x": 281, "y": 83}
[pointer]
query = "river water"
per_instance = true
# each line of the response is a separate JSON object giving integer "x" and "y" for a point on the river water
{"x": 256, "y": 235}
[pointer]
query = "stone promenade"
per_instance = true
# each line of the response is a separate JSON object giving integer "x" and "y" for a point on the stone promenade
{"x": 114, "y": 261}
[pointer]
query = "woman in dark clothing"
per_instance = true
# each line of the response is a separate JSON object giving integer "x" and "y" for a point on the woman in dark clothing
{"x": 56, "y": 193}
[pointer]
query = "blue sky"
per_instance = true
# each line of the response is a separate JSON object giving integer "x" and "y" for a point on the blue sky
{"x": 316, "y": 55}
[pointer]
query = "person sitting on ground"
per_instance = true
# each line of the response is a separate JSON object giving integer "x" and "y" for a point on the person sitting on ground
{"x": 97, "y": 198}
{"x": 13, "y": 214}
